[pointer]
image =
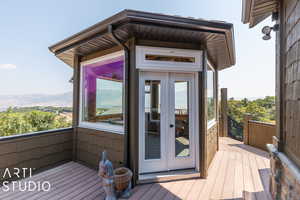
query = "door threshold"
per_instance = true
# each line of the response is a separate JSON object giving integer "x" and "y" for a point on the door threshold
{"x": 175, "y": 175}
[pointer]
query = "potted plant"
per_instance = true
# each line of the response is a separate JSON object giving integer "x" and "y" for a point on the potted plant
{"x": 122, "y": 179}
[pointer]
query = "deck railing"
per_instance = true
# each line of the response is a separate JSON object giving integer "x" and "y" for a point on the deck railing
{"x": 34, "y": 150}
{"x": 251, "y": 132}
{"x": 258, "y": 134}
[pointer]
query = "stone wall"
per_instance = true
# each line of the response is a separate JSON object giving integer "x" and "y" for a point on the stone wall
{"x": 285, "y": 176}
{"x": 212, "y": 143}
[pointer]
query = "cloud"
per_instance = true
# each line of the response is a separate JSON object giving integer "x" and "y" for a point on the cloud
{"x": 8, "y": 66}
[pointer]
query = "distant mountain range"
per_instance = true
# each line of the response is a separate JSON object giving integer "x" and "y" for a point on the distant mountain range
{"x": 109, "y": 98}
{"x": 27, "y": 100}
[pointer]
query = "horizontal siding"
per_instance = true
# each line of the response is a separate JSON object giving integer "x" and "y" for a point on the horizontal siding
{"x": 36, "y": 150}
{"x": 212, "y": 143}
{"x": 91, "y": 143}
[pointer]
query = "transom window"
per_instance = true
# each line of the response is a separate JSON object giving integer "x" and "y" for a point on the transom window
{"x": 169, "y": 58}
{"x": 102, "y": 93}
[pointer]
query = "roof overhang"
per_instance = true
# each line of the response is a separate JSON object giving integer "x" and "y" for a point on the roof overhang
{"x": 255, "y": 11}
{"x": 217, "y": 36}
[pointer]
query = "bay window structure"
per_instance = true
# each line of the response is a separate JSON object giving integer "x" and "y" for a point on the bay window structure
{"x": 211, "y": 96}
{"x": 102, "y": 93}
{"x": 143, "y": 100}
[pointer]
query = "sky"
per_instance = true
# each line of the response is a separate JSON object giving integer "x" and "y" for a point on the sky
{"x": 29, "y": 27}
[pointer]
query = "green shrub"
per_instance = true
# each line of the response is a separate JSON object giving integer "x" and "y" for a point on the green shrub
{"x": 14, "y": 122}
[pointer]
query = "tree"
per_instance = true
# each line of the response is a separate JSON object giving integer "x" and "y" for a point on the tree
{"x": 14, "y": 121}
{"x": 259, "y": 109}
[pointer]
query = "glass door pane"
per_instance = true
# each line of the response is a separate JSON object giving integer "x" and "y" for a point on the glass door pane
{"x": 182, "y": 133}
{"x": 152, "y": 92}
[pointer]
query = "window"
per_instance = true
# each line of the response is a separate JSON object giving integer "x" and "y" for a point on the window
{"x": 170, "y": 58}
{"x": 211, "y": 96}
{"x": 102, "y": 93}
{"x": 152, "y": 119}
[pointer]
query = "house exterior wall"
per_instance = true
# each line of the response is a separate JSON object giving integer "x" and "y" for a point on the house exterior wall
{"x": 209, "y": 135}
{"x": 285, "y": 181}
{"x": 90, "y": 144}
{"x": 37, "y": 150}
{"x": 213, "y": 131}
{"x": 292, "y": 80}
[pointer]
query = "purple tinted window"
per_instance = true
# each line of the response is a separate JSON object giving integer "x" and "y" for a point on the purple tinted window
{"x": 103, "y": 91}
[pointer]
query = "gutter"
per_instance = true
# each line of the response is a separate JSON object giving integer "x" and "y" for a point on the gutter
{"x": 246, "y": 8}
{"x": 126, "y": 106}
{"x": 116, "y": 39}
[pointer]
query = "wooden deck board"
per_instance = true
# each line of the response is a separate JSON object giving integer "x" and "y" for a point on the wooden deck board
{"x": 236, "y": 170}
{"x": 54, "y": 178}
{"x": 212, "y": 176}
{"x": 238, "y": 177}
{"x": 228, "y": 188}
{"x": 45, "y": 175}
{"x": 162, "y": 191}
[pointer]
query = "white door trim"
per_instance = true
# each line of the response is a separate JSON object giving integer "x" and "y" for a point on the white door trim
{"x": 165, "y": 163}
{"x": 153, "y": 165}
{"x": 173, "y": 161}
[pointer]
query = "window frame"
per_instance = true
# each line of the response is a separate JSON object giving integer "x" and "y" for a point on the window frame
{"x": 212, "y": 122}
{"x": 101, "y": 126}
{"x": 157, "y": 65}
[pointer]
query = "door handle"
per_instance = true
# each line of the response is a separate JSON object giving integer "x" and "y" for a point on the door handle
{"x": 171, "y": 125}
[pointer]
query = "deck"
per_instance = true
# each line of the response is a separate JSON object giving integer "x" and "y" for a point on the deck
{"x": 237, "y": 171}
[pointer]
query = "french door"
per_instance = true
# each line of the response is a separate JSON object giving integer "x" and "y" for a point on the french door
{"x": 167, "y": 121}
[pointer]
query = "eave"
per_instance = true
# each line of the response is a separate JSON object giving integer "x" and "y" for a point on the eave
{"x": 255, "y": 11}
{"x": 217, "y": 36}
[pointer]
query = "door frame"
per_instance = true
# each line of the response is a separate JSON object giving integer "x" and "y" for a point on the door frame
{"x": 153, "y": 164}
{"x": 194, "y": 117}
{"x": 183, "y": 162}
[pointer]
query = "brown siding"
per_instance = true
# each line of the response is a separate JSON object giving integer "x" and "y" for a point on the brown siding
{"x": 285, "y": 176}
{"x": 260, "y": 134}
{"x": 212, "y": 143}
{"x": 212, "y": 135}
{"x": 133, "y": 112}
{"x": 37, "y": 150}
{"x": 292, "y": 80}
{"x": 91, "y": 143}
{"x": 203, "y": 119}
{"x": 76, "y": 106}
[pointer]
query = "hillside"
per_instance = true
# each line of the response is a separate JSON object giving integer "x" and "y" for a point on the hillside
{"x": 28, "y": 100}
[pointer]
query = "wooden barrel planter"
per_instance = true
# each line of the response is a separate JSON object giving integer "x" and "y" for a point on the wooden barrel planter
{"x": 122, "y": 178}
